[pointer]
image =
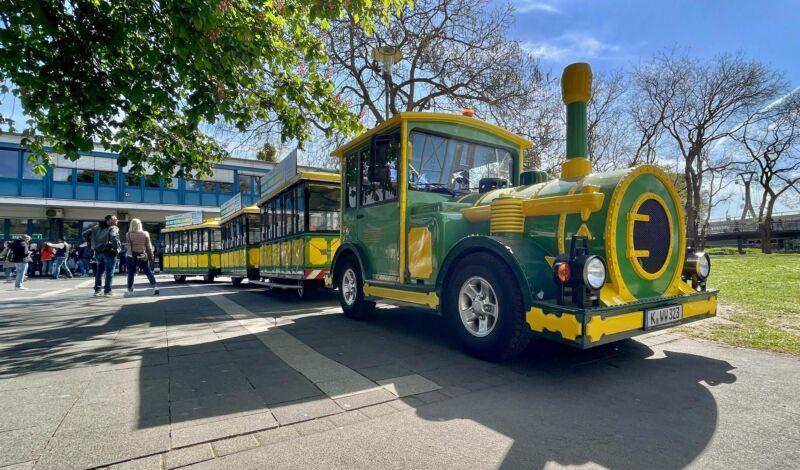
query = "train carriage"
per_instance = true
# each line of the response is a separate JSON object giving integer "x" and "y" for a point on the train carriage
{"x": 241, "y": 240}
{"x": 437, "y": 212}
{"x": 192, "y": 247}
{"x": 300, "y": 220}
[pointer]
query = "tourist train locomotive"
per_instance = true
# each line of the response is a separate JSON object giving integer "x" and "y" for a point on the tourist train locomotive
{"x": 437, "y": 212}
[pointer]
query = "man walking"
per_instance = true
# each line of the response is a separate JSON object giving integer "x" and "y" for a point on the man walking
{"x": 105, "y": 243}
{"x": 60, "y": 261}
{"x": 84, "y": 257}
{"x": 21, "y": 256}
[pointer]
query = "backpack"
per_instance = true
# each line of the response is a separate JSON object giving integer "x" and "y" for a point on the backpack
{"x": 19, "y": 250}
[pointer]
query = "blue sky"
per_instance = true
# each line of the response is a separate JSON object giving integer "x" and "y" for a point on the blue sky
{"x": 615, "y": 34}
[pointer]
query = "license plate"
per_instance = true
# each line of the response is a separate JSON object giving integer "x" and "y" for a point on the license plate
{"x": 662, "y": 316}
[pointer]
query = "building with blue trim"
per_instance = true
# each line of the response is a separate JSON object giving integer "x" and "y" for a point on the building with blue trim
{"x": 74, "y": 195}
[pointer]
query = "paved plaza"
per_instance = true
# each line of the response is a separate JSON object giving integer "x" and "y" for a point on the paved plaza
{"x": 214, "y": 376}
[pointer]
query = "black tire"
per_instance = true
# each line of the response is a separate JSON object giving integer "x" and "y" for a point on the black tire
{"x": 237, "y": 281}
{"x": 354, "y": 307}
{"x": 509, "y": 334}
{"x": 179, "y": 279}
{"x": 209, "y": 278}
{"x": 309, "y": 290}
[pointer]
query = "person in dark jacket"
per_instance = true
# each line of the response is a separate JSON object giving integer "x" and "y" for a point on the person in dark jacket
{"x": 84, "y": 258}
{"x": 21, "y": 256}
{"x": 105, "y": 243}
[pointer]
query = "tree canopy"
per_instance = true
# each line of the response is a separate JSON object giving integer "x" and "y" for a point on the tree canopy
{"x": 140, "y": 77}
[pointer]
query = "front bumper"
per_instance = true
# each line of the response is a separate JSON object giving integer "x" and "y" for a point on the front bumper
{"x": 586, "y": 328}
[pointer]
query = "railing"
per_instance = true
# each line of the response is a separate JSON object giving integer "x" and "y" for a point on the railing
{"x": 781, "y": 222}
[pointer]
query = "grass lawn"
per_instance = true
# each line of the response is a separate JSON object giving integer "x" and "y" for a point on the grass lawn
{"x": 759, "y": 302}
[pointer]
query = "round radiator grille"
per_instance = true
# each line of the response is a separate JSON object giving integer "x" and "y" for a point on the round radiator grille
{"x": 653, "y": 235}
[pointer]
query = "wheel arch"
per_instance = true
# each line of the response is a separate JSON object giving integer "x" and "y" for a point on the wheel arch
{"x": 483, "y": 244}
{"x": 345, "y": 251}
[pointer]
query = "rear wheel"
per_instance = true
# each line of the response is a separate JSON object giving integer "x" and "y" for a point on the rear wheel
{"x": 351, "y": 292}
{"x": 486, "y": 309}
{"x": 237, "y": 280}
{"x": 179, "y": 278}
{"x": 208, "y": 278}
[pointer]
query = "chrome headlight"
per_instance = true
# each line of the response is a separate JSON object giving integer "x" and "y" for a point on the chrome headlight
{"x": 697, "y": 264}
{"x": 703, "y": 265}
{"x": 594, "y": 272}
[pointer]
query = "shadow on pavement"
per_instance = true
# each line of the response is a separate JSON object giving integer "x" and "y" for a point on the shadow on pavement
{"x": 182, "y": 361}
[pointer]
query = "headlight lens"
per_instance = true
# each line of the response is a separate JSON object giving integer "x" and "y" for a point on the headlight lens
{"x": 595, "y": 273}
{"x": 703, "y": 265}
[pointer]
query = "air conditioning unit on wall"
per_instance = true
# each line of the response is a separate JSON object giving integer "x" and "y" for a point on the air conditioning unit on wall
{"x": 123, "y": 217}
{"x": 54, "y": 213}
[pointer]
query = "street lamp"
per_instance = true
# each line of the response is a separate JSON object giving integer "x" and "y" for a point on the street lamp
{"x": 388, "y": 56}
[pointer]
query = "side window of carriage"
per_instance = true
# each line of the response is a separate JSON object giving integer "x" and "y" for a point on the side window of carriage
{"x": 351, "y": 179}
{"x": 379, "y": 172}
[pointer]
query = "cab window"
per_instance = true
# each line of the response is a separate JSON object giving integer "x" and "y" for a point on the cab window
{"x": 379, "y": 170}
{"x": 454, "y": 166}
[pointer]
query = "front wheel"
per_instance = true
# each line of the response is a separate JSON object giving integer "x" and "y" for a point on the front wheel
{"x": 486, "y": 309}
{"x": 351, "y": 293}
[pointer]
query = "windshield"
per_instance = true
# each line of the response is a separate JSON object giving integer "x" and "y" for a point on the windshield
{"x": 449, "y": 165}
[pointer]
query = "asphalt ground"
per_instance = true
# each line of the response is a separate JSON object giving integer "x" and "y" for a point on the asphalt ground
{"x": 222, "y": 377}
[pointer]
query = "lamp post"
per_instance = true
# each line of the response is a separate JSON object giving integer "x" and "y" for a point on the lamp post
{"x": 388, "y": 56}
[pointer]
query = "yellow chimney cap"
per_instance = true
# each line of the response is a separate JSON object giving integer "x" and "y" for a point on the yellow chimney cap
{"x": 576, "y": 83}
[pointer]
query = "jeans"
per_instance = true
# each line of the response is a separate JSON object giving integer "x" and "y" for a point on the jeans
{"x": 7, "y": 273}
{"x": 144, "y": 266}
{"x": 47, "y": 265}
{"x": 22, "y": 269}
{"x": 58, "y": 265}
{"x": 84, "y": 266}
{"x": 105, "y": 265}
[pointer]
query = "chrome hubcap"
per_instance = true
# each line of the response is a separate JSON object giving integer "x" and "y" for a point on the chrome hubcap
{"x": 478, "y": 307}
{"x": 349, "y": 288}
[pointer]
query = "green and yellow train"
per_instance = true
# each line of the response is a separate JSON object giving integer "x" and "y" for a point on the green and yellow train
{"x": 437, "y": 212}
{"x": 241, "y": 240}
{"x": 300, "y": 220}
{"x": 192, "y": 247}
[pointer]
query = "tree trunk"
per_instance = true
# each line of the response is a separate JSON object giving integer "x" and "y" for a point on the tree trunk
{"x": 766, "y": 228}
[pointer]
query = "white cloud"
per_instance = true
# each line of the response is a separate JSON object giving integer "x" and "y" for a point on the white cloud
{"x": 572, "y": 46}
{"x": 528, "y": 6}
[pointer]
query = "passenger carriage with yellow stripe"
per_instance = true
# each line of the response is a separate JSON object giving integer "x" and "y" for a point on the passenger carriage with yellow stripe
{"x": 437, "y": 212}
{"x": 192, "y": 246}
{"x": 300, "y": 220}
{"x": 241, "y": 240}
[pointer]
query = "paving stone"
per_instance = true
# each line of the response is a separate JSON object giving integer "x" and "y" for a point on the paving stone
{"x": 314, "y": 426}
{"x": 409, "y": 385}
{"x": 367, "y": 398}
{"x": 350, "y": 384}
{"x": 104, "y": 446}
{"x": 304, "y": 410}
{"x": 385, "y": 371}
{"x": 376, "y": 411}
{"x": 21, "y": 466}
{"x": 222, "y": 428}
{"x": 22, "y": 445}
{"x": 495, "y": 380}
{"x": 234, "y": 444}
{"x": 283, "y": 433}
{"x": 431, "y": 397}
{"x": 152, "y": 462}
{"x": 217, "y": 407}
{"x": 348, "y": 418}
{"x": 455, "y": 391}
{"x": 187, "y": 455}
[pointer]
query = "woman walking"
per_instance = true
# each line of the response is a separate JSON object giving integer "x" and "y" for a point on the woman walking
{"x": 139, "y": 254}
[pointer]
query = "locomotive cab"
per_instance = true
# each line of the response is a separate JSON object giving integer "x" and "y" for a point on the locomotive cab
{"x": 437, "y": 212}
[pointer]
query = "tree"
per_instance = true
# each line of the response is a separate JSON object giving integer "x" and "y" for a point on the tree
{"x": 268, "y": 153}
{"x": 455, "y": 56}
{"x": 140, "y": 77}
{"x": 699, "y": 104}
{"x": 608, "y": 122}
{"x": 771, "y": 141}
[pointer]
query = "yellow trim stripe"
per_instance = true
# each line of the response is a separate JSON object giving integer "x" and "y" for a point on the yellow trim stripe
{"x": 567, "y": 325}
{"x": 420, "y": 298}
